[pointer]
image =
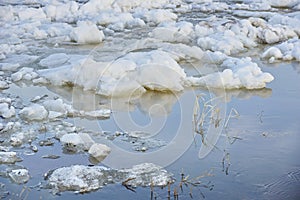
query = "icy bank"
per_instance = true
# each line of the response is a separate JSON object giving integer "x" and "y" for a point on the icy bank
{"x": 85, "y": 179}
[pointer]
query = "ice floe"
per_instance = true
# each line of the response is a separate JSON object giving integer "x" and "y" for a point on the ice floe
{"x": 133, "y": 74}
{"x": 154, "y": 70}
{"x": 8, "y": 157}
{"x": 19, "y": 176}
{"x": 82, "y": 178}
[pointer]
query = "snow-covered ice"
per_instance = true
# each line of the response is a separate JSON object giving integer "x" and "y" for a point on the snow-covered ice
{"x": 85, "y": 179}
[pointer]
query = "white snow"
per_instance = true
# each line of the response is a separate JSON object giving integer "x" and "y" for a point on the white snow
{"x": 34, "y": 112}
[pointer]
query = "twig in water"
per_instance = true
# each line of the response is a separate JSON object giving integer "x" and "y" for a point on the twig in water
{"x": 226, "y": 158}
{"x": 127, "y": 186}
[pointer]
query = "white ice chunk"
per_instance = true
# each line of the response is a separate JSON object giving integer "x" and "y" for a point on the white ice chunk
{"x": 283, "y": 3}
{"x": 19, "y": 176}
{"x": 241, "y": 73}
{"x": 287, "y": 50}
{"x": 125, "y": 76}
{"x": 173, "y": 32}
{"x": 56, "y": 105}
{"x": 24, "y": 73}
{"x": 126, "y": 5}
{"x": 99, "y": 151}
{"x": 85, "y": 179}
{"x": 146, "y": 174}
{"x": 103, "y": 113}
{"x": 80, "y": 141}
{"x": 34, "y": 112}
{"x": 6, "y": 110}
{"x": 54, "y": 60}
{"x": 8, "y": 157}
{"x": 160, "y": 78}
{"x": 62, "y": 11}
{"x": 272, "y": 53}
{"x": 86, "y": 33}
{"x": 3, "y": 85}
{"x": 31, "y": 14}
{"x": 94, "y": 6}
{"x": 155, "y": 16}
{"x": 9, "y": 66}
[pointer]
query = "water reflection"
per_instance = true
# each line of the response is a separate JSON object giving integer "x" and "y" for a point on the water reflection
{"x": 151, "y": 103}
